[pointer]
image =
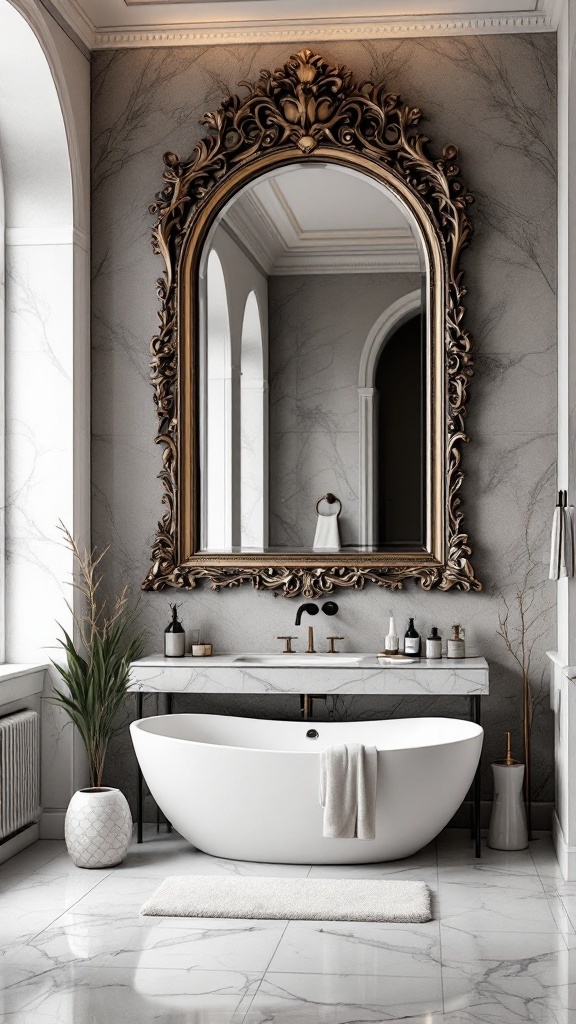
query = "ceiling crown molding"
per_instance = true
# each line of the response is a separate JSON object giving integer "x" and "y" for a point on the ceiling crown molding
{"x": 289, "y": 30}
{"x": 316, "y": 30}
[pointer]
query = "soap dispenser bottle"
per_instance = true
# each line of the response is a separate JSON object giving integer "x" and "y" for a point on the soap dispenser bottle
{"x": 412, "y": 640}
{"x": 174, "y": 636}
{"x": 434, "y": 644}
{"x": 456, "y": 647}
{"x": 392, "y": 641}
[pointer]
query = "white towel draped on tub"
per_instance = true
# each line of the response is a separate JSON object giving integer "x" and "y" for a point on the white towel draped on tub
{"x": 348, "y": 791}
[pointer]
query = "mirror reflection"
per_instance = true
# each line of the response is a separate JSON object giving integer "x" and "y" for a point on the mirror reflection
{"x": 312, "y": 368}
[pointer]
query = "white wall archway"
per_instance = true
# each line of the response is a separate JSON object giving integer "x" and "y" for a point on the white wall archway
{"x": 44, "y": 148}
{"x": 387, "y": 323}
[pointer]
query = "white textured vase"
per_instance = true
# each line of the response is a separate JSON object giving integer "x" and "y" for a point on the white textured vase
{"x": 508, "y": 830}
{"x": 98, "y": 828}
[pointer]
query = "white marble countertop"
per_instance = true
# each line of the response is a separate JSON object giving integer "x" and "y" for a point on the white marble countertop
{"x": 223, "y": 673}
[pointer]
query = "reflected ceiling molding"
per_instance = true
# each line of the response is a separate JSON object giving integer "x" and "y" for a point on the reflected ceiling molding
{"x": 264, "y": 224}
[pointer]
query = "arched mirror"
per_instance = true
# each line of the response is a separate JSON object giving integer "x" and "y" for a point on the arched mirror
{"x": 311, "y": 370}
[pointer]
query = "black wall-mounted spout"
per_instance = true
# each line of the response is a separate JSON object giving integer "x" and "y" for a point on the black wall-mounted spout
{"x": 312, "y": 609}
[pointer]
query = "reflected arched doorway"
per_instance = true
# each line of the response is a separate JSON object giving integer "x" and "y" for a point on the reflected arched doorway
{"x": 391, "y": 320}
{"x": 399, "y": 439}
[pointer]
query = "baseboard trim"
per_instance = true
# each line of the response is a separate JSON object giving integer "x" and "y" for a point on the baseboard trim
{"x": 52, "y": 823}
{"x": 566, "y": 854}
{"x": 19, "y": 842}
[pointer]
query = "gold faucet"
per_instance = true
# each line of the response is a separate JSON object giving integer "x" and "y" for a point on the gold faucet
{"x": 310, "y": 649}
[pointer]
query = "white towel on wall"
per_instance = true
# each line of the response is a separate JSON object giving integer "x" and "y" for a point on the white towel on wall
{"x": 327, "y": 536}
{"x": 348, "y": 776}
{"x": 568, "y": 561}
{"x": 562, "y": 544}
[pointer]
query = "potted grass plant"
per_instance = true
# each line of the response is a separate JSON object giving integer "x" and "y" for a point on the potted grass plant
{"x": 96, "y": 671}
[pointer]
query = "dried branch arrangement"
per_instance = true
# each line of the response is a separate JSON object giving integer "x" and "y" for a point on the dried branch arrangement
{"x": 521, "y": 626}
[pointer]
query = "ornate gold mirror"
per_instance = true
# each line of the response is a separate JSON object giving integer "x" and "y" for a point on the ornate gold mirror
{"x": 311, "y": 368}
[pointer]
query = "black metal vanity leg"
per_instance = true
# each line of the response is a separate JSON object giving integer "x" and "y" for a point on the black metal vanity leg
{"x": 169, "y": 709}
{"x": 140, "y": 788}
{"x": 475, "y": 709}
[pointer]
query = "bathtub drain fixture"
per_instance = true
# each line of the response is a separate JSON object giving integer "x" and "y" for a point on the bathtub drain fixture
{"x": 312, "y": 734}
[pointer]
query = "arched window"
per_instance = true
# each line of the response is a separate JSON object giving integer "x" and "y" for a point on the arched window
{"x": 46, "y": 420}
{"x": 254, "y": 430}
{"x": 40, "y": 247}
{"x": 217, "y": 464}
{"x": 387, "y": 323}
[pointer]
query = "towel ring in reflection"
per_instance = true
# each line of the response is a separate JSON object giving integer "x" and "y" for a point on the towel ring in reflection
{"x": 330, "y": 499}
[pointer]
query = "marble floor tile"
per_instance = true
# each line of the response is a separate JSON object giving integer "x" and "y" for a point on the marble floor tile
{"x": 342, "y": 998}
{"x": 74, "y": 948}
{"x": 31, "y": 859}
{"x": 478, "y": 908}
{"x": 508, "y": 976}
{"x": 77, "y": 994}
{"x": 19, "y": 926}
{"x": 213, "y": 944}
{"x": 172, "y": 855}
{"x": 544, "y": 856}
{"x": 412, "y": 950}
{"x": 59, "y": 890}
{"x": 454, "y": 846}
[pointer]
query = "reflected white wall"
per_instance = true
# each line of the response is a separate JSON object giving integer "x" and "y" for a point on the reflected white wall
{"x": 217, "y": 474}
{"x": 254, "y": 429}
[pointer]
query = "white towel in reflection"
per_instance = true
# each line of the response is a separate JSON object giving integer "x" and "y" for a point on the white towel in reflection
{"x": 327, "y": 537}
{"x": 562, "y": 544}
{"x": 348, "y": 774}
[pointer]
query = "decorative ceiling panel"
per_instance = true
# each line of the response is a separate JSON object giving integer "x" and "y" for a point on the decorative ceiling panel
{"x": 129, "y": 23}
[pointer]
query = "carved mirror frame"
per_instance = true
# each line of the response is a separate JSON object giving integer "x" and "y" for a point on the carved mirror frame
{"x": 309, "y": 111}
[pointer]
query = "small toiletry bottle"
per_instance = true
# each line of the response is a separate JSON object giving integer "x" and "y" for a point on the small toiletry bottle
{"x": 434, "y": 644}
{"x": 456, "y": 643}
{"x": 174, "y": 636}
{"x": 392, "y": 642}
{"x": 412, "y": 640}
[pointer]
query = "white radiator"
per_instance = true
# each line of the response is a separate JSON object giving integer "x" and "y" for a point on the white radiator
{"x": 19, "y": 771}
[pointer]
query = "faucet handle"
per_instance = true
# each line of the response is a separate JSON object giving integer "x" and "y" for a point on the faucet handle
{"x": 287, "y": 643}
{"x": 332, "y": 640}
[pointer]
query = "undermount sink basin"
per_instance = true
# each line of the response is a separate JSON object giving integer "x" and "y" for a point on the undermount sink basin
{"x": 296, "y": 660}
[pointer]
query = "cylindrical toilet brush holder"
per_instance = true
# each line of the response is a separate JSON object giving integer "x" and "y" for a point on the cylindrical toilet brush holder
{"x": 508, "y": 829}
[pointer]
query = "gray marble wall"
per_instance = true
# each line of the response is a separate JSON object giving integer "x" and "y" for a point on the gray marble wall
{"x": 318, "y": 326}
{"x": 494, "y": 96}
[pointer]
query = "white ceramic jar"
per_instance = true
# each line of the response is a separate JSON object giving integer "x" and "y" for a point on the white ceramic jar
{"x": 98, "y": 827}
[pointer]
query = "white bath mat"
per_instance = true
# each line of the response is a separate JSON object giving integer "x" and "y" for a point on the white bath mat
{"x": 291, "y": 899}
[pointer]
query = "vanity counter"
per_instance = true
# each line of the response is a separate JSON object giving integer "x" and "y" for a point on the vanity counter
{"x": 225, "y": 674}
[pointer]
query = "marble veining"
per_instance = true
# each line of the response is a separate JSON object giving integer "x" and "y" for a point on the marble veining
{"x": 222, "y": 675}
{"x": 500, "y": 950}
{"x": 493, "y": 96}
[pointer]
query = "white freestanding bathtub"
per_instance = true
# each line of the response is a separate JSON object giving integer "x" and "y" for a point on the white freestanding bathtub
{"x": 248, "y": 788}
